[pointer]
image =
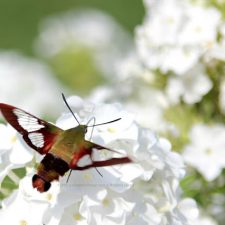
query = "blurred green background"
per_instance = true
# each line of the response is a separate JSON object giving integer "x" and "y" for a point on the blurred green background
{"x": 20, "y": 19}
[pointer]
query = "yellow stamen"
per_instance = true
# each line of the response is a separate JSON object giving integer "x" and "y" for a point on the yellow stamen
{"x": 106, "y": 202}
{"x": 170, "y": 20}
{"x": 49, "y": 197}
{"x": 23, "y": 222}
{"x": 111, "y": 130}
{"x": 13, "y": 139}
{"x": 77, "y": 216}
{"x": 208, "y": 151}
{"x": 87, "y": 176}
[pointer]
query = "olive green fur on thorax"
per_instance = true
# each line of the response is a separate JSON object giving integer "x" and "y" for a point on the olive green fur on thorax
{"x": 69, "y": 142}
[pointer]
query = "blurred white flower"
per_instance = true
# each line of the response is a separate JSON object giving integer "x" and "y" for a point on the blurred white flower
{"x": 28, "y": 84}
{"x": 148, "y": 108}
{"x": 13, "y": 153}
{"x": 163, "y": 21}
{"x": 191, "y": 86}
{"x": 27, "y": 205}
{"x": 201, "y": 28}
{"x": 206, "y": 152}
{"x": 129, "y": 67}
{"x": 188, "y": 207}
{"x": 91, "y": 29}
{"x": 216, "y": 49}
{"x": 8, "y": 137}
{"x": 204, "y": 220}
{"x": 146, "y": 104}
{"x": 176, "y": 34}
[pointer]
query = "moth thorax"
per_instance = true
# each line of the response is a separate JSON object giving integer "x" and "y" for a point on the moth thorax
{"x": 40, "y": 184}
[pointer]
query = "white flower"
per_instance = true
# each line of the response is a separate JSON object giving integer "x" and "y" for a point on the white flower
{"x": 159, "y": 203}
{"x": 106, "y": 208}
{"x": 206, "y": 152}
{"x": 8, "y": 137}
{"x": 191, "y": 86}
{"x": 149, "y": 108}
{"x": 122, "y": 129}
{"x": 13, "y": 153}
{"x": 27, "y": 205}
{"x": 199, "y": 31}
{"x": 154, "y": 155}
{"x": 178, "y": 211}
{"x": 147, "y": 105}
{"x": 72, "y": 215}
{"x": 217, "y": 49}
{"x": 28, "y": 84}
{"x": 204, "y": 220}
{"x": 163, "y": 22}
{"x": 128, "y": 68}
{"x": 166, "y": 58}
{"x": 189, "y": 209}
{"x": 176, "y": 34}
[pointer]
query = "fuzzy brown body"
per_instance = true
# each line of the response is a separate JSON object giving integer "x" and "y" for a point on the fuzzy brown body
{"x": 65, "y": 152}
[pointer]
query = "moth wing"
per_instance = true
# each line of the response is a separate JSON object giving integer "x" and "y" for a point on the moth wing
{"x": 87, "y": 150}
{"x": 38, "y": 134}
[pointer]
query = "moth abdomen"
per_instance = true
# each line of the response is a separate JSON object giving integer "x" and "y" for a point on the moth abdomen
{"x": 49, "y": 169}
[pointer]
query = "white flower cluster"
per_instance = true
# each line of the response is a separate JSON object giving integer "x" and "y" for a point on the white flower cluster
{"x": 177, "y": 37}
{"x": 185, "y": 42}
{"x": 207, "y": 147}
{"x": 145, "y": 191}
{"x": 181, "y": 45}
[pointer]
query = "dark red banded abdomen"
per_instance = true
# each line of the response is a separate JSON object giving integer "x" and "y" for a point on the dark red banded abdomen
{"x": 49, "y": 169}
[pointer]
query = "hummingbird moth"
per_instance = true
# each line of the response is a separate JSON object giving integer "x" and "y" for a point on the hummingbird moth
{"x": 63, "y": 149}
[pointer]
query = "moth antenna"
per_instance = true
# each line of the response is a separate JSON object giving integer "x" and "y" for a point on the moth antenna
{"x": 93, "y": 118}
{"x": 64, "y": 99}
{"x": 112, "y": 121}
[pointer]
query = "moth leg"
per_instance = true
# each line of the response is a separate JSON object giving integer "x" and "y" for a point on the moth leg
{"x": 69, "y": 176}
